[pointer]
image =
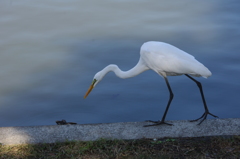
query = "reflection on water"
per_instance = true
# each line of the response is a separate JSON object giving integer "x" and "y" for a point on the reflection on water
{"x": 51, "y": 50}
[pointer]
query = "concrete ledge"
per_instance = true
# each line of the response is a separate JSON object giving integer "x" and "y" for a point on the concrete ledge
{"x": 129, "y": 130}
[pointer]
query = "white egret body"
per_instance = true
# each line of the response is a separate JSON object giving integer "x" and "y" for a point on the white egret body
{"x": 166, "y": 60}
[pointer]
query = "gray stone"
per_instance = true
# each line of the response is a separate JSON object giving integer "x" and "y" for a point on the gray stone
{"x": 129, "y": 130}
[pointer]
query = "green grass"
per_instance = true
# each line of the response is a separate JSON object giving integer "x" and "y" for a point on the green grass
{"x": 204, "y": 147}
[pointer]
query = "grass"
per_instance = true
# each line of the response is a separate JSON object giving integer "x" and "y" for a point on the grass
{"x": 203, "y": 147}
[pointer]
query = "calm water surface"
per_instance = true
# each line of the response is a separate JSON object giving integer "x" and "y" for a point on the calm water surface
{"x": 50, "y": 51}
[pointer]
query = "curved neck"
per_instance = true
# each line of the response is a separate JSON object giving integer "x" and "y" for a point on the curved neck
{"x": 139, "y": 68}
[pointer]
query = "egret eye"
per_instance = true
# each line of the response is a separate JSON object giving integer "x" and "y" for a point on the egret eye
{"x": 94, "y": 81}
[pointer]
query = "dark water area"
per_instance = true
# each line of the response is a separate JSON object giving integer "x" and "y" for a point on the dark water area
{"x": 48, "y": 60}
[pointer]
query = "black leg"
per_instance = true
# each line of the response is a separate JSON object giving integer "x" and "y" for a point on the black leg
{"x": 165, "y": 113}
{"x": 204, "y": 116}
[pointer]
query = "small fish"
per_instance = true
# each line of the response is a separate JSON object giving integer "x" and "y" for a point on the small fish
{"x": 63, "y": 122}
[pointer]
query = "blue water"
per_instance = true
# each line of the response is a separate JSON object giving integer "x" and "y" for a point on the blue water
{"x": 49, "y": 57}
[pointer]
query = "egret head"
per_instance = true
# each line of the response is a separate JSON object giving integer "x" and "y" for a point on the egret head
{"x": 96, "y": 79}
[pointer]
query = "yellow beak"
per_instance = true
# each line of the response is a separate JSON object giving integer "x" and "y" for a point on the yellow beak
{"x": 89, "y": 90}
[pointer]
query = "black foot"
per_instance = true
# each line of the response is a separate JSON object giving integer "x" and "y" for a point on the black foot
{"x": 203, "y": 117}
{"x": 156, "y": 123}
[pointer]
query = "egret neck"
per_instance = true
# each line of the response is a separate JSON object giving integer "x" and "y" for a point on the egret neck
{"x": 136, "y": 70}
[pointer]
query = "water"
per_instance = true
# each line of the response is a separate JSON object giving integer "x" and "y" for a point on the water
{"x": 50, "y": 51}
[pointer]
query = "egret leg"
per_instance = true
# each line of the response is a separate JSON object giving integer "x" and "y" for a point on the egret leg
{"x": 165, "y": 113}
{"x": 204, "y": 116}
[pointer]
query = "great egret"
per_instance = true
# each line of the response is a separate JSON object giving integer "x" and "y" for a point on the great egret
{"x": 165, "y": 60}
